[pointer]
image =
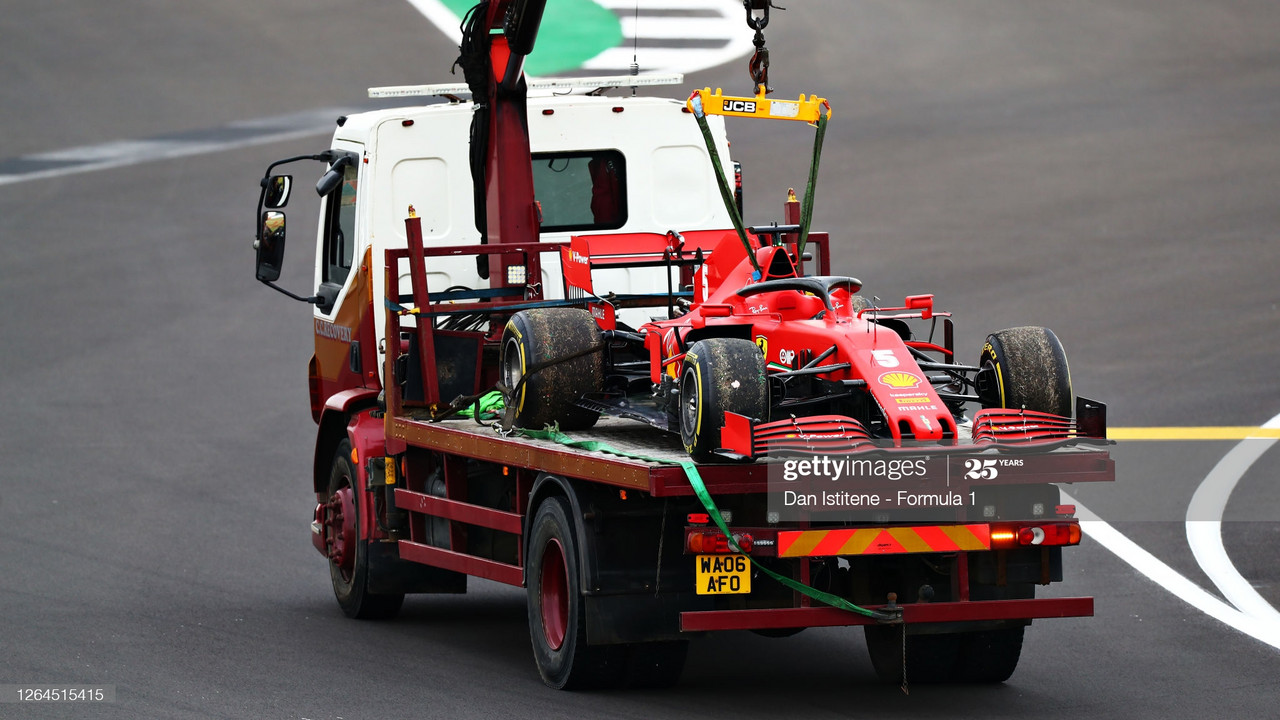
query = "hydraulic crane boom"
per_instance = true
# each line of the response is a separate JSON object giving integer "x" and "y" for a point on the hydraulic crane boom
{"x": 501, "y": 168}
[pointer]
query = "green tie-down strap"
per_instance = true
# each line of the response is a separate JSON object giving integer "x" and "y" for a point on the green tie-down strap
{"x": 700, "y": 489}
{"x": 488, "y": 407}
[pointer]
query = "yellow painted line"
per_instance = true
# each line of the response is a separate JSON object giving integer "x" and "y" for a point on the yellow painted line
{"x": 1192, "y": 433}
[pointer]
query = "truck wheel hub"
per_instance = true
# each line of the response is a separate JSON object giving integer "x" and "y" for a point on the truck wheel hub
{"x": 340, "y": 530}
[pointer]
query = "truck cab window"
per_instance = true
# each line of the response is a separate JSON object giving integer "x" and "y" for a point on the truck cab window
{"x": 340, "y": 228}
{"x": 581, "y": 190}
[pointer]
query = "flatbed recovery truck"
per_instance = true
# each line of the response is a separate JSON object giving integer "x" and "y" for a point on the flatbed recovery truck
{"x": 626, "y": 548}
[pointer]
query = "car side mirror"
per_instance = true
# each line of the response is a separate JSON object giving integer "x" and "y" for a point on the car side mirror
{"x": 278, "y": 187}
{"x": 270, "y": 246}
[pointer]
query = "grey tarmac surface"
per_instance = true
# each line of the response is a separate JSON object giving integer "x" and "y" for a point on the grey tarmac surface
{"x": 1109, "y": 170}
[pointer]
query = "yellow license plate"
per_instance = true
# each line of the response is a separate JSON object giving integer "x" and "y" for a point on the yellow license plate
{"x": 723, "y": 574}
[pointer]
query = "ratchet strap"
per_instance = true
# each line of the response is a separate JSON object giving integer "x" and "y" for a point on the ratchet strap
{"x": 700, "y": 489}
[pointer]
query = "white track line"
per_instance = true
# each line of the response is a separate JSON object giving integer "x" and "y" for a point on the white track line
{"x": 1170, "y": 579}
{"x": 440, "y": 16}
{"x": 1204, "y": 526}
{"x": 122, "y": 153}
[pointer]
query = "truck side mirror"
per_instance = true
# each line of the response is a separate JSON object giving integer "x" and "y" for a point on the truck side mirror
{"x": 278, "y": 187}
{"x": 330, "y": 181}
{"x": 270, "y": 246}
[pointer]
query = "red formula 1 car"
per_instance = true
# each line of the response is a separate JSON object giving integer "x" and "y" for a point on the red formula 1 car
{"x": 755, "y": 356}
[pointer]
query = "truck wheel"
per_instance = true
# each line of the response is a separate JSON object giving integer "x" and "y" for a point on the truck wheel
{"x": 348, "y": 554}
{"x": 550, "y": 395}
{"x": 720, "y": 375}
{"x": 989, "y": 656}
{"x": 557, "y": 618}
{"x": 1025, "y": 367}
{"x": 930, "y": 658}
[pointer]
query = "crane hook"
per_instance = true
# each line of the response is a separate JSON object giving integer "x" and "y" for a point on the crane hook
{"x": 758, "y": 19}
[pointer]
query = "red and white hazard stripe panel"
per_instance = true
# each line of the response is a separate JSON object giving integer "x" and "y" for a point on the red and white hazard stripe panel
{"x": 884, "y": 541}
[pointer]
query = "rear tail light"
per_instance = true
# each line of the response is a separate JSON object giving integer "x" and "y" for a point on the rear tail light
{"x": 706, "y": 542}
{"x": 1004, "y": 537}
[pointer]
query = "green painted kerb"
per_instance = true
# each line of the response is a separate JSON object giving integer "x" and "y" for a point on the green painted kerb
{"x": 572, "y": 32}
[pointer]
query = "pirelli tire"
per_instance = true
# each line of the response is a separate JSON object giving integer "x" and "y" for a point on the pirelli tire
{"x": 1025, "y": 368}
{"x": 552, "y": 350}
{"x": 719, "y": 375}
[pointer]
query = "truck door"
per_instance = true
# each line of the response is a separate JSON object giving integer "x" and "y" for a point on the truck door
{"x": 343, "y": 319}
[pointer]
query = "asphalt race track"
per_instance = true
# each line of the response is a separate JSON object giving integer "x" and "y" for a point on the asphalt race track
{"x": 1107, "y": 169}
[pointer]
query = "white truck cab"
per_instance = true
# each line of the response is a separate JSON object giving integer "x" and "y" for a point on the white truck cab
{"x": 600, "y": 165}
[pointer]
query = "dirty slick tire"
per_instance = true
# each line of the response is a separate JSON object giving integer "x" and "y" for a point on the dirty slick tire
{"x": 350, "y": 570}
{"x": 557, "y": 618}
{"x": 1025, "y": 367}
{"x": 549, "y": 395}
{"x": 720, "y": 375}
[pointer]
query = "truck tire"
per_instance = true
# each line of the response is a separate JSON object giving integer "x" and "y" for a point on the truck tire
{"x": 550, "y": 394}
{"x": 930, "y": 658}
{"x": 720, "y": 375}
{"x": 1025, "y": 367}
{"x": 989, "y": 656}
{"x": 349, "y": 566}
{"x": 557, "y": 614}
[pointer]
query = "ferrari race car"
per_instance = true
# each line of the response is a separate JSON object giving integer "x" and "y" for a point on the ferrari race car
{"x": 786, "y": 361}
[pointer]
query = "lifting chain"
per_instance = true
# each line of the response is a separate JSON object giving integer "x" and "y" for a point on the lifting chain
{"x": 757, "y": 19}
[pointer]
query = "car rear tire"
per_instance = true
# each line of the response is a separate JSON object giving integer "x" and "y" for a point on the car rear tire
{"x": 1025, "y": 368}
{"x": 720, "y": 375}
{"x": 550, "y": 395}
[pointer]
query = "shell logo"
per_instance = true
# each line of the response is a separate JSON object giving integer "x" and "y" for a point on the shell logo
{"x": 900, "y": 380}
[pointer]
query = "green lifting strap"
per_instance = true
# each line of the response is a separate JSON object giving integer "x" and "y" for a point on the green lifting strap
{"x": 726, "y": 192}
{"x": 806, "y": 210}
{"x": 700, "y": 489}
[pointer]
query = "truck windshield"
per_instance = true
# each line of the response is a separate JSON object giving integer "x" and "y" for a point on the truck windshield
{"x": 581, "y": 190}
